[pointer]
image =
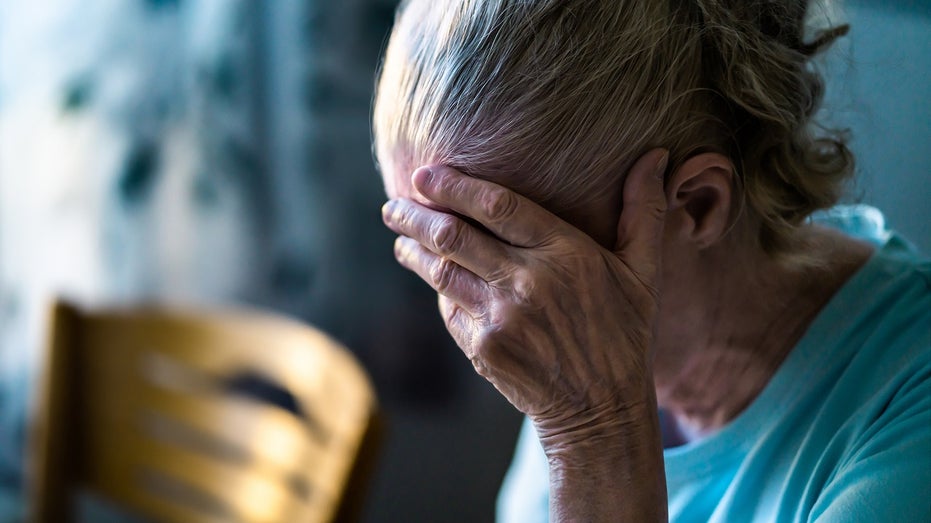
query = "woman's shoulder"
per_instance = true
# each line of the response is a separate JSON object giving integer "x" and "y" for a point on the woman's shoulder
{"x": 896, "y": 268}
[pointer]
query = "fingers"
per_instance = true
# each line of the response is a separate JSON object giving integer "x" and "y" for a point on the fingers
{"x": 445, "y": 276}
{"x": 449, "y": 237}
{"x": 640, "y": 228}
{"x": 506, "y": 214}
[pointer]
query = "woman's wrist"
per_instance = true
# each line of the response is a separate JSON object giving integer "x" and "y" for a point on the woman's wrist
{"x": 629, "y": 435}
{"x": 575, "y": 431}
{"x": 609, "y": 468}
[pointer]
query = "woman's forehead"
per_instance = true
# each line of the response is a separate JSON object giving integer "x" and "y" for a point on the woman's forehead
{"x": 397, "y": 179}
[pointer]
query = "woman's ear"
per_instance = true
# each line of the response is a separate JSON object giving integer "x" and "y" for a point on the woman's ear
{"x": 700, "y": 199}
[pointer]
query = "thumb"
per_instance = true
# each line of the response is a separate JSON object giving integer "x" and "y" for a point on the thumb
{"x": 640, "y": 227}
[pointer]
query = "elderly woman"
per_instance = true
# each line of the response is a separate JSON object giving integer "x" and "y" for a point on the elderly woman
{"x": 613, "y": 200}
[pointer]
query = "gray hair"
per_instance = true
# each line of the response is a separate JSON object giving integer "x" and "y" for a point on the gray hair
{"x": 556, "y": 98}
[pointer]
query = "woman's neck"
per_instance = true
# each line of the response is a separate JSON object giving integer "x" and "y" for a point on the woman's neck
{"x": 731, "y": 324}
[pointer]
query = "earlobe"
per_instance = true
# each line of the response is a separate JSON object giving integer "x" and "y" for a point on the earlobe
{"x": 700, "y": 193}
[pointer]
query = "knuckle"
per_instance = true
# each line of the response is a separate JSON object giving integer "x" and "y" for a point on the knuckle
{"x": 482, "y": 345}
{"x": 504, "y": 322}
{"x": 530, "y": 288}
{"x": 443, "y": 274}
{"x": 499, "y": 204}
{"x": 404, "y": 218}
{"x": 447, "y": 235}
{"x": 481, "y": 359}
{"x": 458, "y": 186}
{"x": 480, "y": 367}
{"x": 397, "y": 213}
{"x": 486, "y": 337}
{"x": 525, "y": 286}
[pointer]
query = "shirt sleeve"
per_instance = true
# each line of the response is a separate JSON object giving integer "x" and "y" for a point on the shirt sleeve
{"x": 888, "y": 477}
{"x": 524, "y": 495}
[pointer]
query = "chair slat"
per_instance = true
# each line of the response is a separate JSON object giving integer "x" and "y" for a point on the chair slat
{"x": 276, "y": 347}
{"x": 118, "y": 436}
{"x": 238, "y": 490}
{"x": 157, "y": 507}
{"x": 267, "y": 434}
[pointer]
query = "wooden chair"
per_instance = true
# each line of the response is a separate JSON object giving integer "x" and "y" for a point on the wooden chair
{"x": 200, "y": 417}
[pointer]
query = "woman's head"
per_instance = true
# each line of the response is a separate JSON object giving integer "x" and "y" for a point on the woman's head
{"x": 556, "y": 98}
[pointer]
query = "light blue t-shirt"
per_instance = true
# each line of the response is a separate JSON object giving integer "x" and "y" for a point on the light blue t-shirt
{"x": 842, "y": 432}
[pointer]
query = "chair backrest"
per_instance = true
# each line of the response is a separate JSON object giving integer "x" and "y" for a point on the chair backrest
{"x": 196, "y": 417}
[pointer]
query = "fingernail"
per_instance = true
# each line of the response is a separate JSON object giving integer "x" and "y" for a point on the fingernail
{"x": 402, "y": 249}
{"x": 661, "y": 166}
{"x": 387, "y": 210}
{"x": 422, "y": 177}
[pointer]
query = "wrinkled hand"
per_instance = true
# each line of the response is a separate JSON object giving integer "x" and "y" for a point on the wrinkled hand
{"x": 561, "y": 326}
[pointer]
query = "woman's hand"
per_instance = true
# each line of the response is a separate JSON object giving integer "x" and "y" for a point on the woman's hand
{"x": 561, "y": 326}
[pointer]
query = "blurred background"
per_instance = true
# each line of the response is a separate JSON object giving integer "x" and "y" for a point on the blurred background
{"x": 218, "y": 152}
